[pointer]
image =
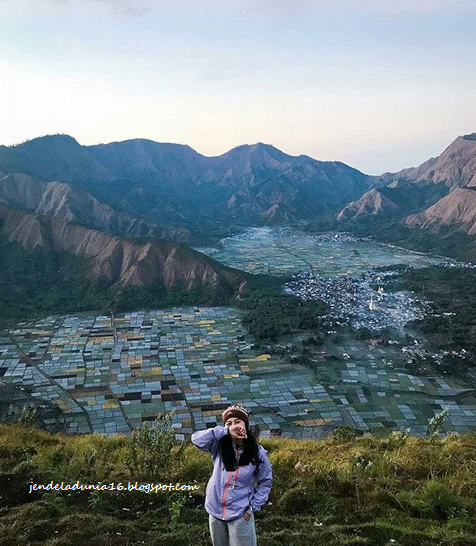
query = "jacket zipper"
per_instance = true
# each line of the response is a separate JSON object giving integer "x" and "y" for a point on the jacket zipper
{"x": 236, "y": 477}
{"x": 237, "y": 468}
{"x": 224, "y": 495}
{"x": 237, "y": 471}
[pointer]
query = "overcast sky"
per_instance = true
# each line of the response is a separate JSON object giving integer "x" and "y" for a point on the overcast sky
{"x": 378, "y": 84}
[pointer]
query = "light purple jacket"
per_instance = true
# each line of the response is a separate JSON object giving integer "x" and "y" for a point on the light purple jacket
{"x": 232, "y": 493}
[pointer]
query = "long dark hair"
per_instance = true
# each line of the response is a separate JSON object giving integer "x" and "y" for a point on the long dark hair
{"x": 250, "y": 452}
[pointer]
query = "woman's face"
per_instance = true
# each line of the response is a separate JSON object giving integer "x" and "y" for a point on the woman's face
{"x": 236, "y": 427}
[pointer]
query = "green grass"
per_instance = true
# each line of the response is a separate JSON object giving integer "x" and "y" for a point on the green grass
{"x": 366, "y": 490}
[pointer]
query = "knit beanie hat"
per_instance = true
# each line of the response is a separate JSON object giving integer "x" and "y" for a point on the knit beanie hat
{"x": 236, "y": 411}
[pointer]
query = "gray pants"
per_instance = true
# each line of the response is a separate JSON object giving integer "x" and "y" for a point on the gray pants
{"x": 237, "y": 532}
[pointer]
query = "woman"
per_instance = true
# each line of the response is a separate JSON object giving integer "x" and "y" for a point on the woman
{"x": 232, "y": 497}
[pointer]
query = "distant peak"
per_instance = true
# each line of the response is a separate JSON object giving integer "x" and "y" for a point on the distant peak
{"x": 260, "y": 148}
{"x": 471, "y": 136}
{"x": 254, "y": 146}
{"x": 262, "y": 145}
{"x": 144, "y": 142}
{"x": 148, "y": 141}
{"x": 58, "y": 138}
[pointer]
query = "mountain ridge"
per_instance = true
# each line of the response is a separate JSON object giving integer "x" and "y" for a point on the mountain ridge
{"x": 168, "y": 184}
{"x": 120, "y": 261}
{"x": 453, "y": 169}
{"x": 455, "y": 166}
{"x": 456, "y": 210}
{"x": 74, "y": 204}
{"x": 172, "y": 183}
{"x": 432, "y": 206}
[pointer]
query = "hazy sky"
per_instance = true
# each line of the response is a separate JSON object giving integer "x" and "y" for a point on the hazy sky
{"x": 377, "y": 84}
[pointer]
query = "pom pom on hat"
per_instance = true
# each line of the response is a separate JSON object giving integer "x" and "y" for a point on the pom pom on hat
{"x": 236, "y": 411}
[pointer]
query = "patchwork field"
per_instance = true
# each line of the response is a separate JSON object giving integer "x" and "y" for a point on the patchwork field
{"x": 282, "y": 251}
{"x": 110, "y": 374}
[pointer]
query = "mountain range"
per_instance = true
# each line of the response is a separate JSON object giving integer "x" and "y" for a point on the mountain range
{"x": 171, "y": 183}
{"x": 120, "y": 260}
{"x": 126, "y": 208}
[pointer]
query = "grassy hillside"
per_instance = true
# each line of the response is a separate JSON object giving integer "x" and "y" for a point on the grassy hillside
{"x": 342, "y": 490}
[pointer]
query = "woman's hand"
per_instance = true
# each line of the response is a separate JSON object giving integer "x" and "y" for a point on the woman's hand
{"x": 236, "y": 428}
{"x": 246, "y": 516}
{"x": 237, "y": 432}
{"x": 241, "y": 432}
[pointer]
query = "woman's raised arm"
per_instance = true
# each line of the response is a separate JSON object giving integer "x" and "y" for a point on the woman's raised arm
{"x": 207, "y": 440}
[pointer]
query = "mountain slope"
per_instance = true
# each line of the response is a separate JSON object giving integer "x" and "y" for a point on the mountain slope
{"x": 119, "y": 261}
{"x": 457, "y": 210}
{"x": 397, "y": 199}
{"x": 455, "y": 167}
{"x": 428, "y": 208}
{"x": 55, "y": 157}
{"x": 261, "y": 183}
{"x": 416, "y": 189}
{"x": 141, "y": 159}
{"x": 74, "y": 204}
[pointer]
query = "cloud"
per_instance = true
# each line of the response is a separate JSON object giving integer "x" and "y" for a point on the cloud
{"x": 131, "y": 8}
{"x": 120, "y": 8}
{"x": 276, "y": 8}
{"x": 269, "y": 7}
